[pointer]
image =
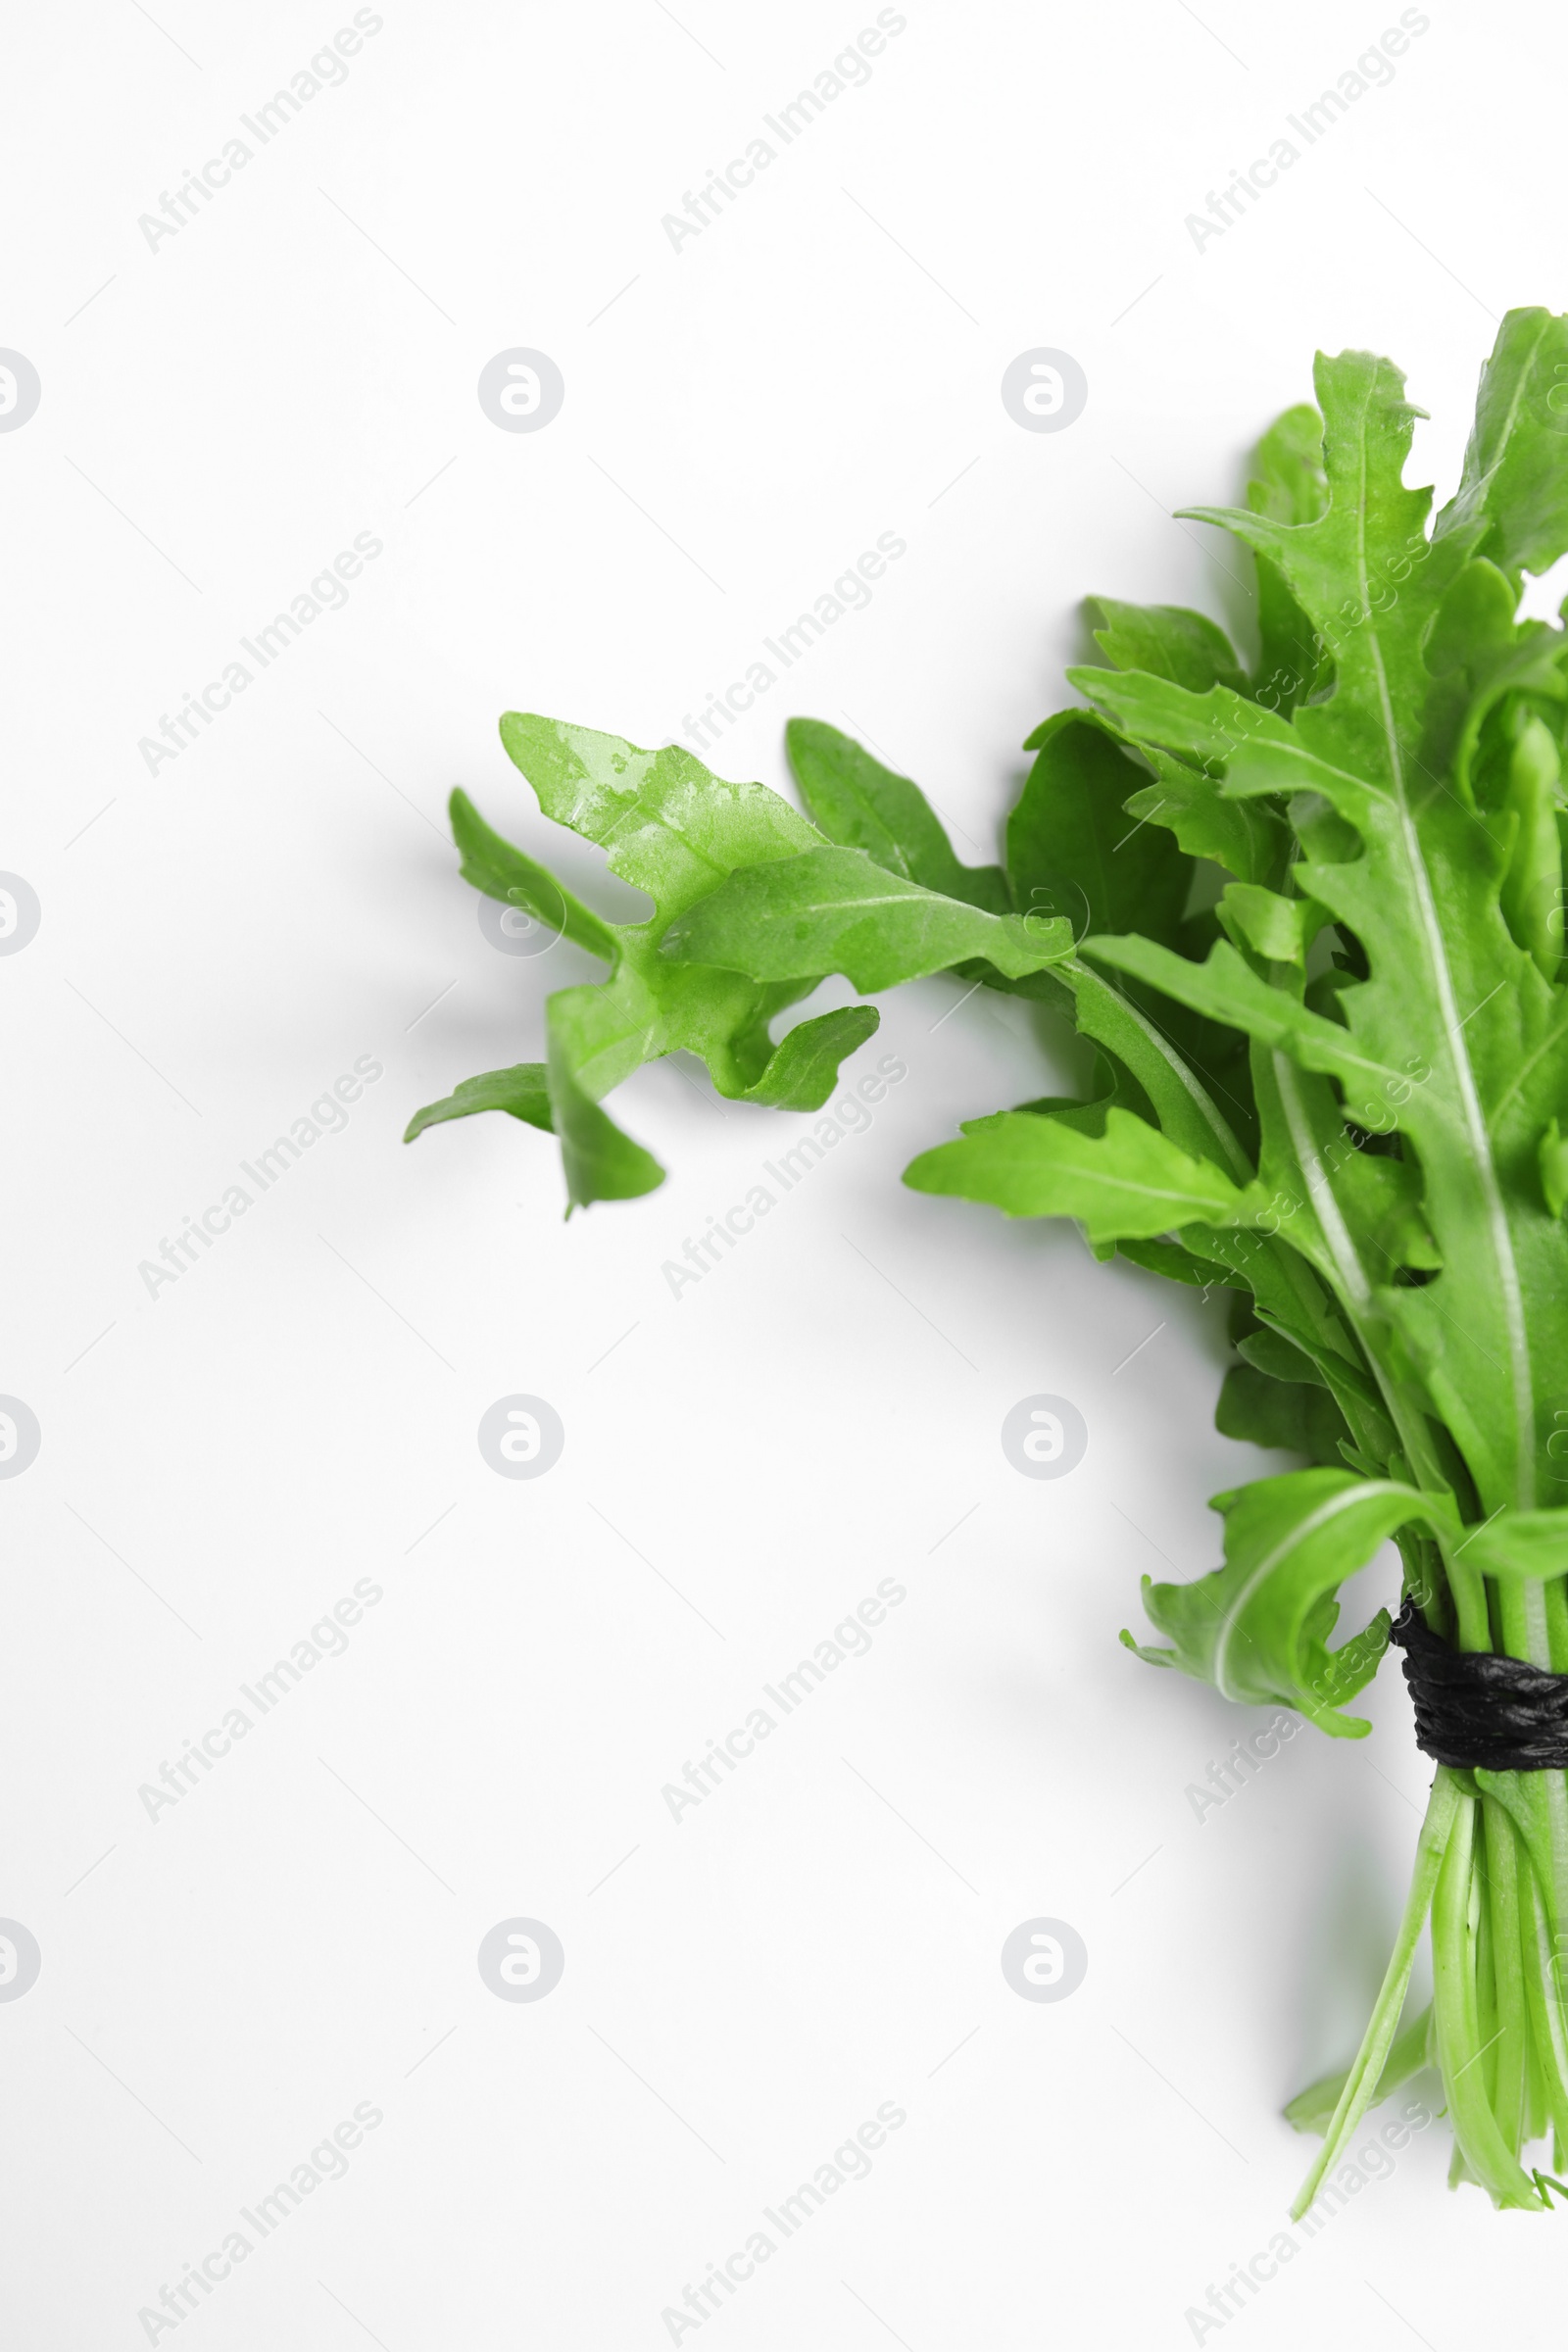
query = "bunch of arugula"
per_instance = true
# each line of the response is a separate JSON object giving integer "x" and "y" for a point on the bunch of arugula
{"x": 1333, "y": 1081}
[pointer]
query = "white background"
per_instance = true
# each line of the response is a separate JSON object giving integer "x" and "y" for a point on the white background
{"x": 219, "y": 940}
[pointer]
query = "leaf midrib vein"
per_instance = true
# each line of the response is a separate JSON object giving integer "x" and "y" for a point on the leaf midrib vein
{"x": 1475, "y": 1120}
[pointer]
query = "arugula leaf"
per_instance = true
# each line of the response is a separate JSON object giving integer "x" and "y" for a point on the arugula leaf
{"x": 1247, "y": 838}
{"x": 1168, "y": 642}
{"x": 1515, "y": 482}
{"x": 1150, "y": 1070}
{"x": 1257, "y": 1629}
{"x": 1279, "y": 930}
{"x": 502, "y": 871}
{"x": 1450, "y": 997}
{"x": 673, "y": 830}
{"x": 522, "y": 1090}
{"x": 834, "y": 910}
{"x": 862, "y": 805}
{"x": 1128, "y": 1182}
{"x": 1291, "y": 1416}
{"x": 1074, "y": 850}
{"x": 1523, "y": 1545}
{"x": 1287, "y": 484}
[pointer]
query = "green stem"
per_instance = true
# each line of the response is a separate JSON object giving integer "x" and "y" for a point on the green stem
{"x": 1360, "y": 2084}
{"x": 1548, "y": 2026}
{"x": 1314, "y": 2109}
{"x": 1509, "y": 2062}
{"x": 1457, "y": 2008}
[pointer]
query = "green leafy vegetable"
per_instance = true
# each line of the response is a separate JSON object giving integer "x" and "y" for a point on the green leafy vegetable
{"x": 1126, "y": 1182}
{"x": 835, "y": 910}
{"x": 857, "y": 802}
{"x": 672, "y": 830}
{"x": 1330, "y": 1077}
{"x": 1257, "y": 1628}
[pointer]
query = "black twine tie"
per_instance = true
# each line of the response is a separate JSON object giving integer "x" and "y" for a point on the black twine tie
{"x": 1475, "y": 1709}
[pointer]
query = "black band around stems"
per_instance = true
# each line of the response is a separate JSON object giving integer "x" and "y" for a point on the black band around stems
{"x": 1473, "y": 1707}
